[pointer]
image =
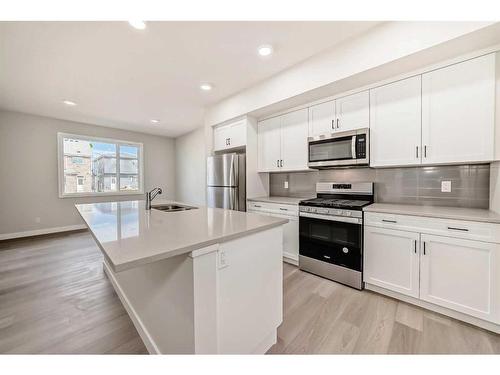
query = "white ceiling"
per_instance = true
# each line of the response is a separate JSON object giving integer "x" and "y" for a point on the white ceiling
{"x": 122, "y": 77}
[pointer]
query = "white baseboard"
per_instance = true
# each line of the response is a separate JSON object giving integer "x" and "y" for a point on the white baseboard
{"x": 139, "y": 326}
{"x": 441, "y": 310}
{"x": 290, "y": 258}
{"x": 38, "y": 232}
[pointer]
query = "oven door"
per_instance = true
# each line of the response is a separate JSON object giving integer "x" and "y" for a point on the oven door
{"x": 332, "y": 151}
{"x": 335, "y": 242}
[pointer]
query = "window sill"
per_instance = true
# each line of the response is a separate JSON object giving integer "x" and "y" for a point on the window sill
{"x": 107, "y": 194}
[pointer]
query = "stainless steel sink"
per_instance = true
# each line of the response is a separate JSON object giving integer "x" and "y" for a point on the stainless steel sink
{"x": 173, "y": 207}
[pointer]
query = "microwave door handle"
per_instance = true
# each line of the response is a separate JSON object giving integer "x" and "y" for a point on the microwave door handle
{"x": 353, "y": 147}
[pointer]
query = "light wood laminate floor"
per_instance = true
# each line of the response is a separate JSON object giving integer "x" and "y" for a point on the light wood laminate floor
{"x": 54, "y": 298}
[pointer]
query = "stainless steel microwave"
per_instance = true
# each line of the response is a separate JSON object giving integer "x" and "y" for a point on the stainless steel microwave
{"x": 349, "y": 148}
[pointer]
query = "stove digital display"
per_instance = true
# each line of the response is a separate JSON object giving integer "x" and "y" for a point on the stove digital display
{"x": 341, "y": 186}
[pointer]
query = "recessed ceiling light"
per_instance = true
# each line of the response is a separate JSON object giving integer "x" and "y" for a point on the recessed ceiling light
{"x": 154, "y": 121}
{"x": 265, "y": 50}
{"x": 69, "y": 102}
{"x": 206, "y": 86}
{"x": 139, "y": 25}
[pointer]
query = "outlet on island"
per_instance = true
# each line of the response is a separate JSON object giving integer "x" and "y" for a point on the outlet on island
{"x": 445, "y": 186}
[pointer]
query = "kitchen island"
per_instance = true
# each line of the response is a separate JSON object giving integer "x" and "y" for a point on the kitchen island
{"x": 205, "y": 280}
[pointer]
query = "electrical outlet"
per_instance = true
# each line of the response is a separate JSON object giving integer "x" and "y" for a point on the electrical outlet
{"x": 222, "y": 259}
{"x": 285, "y": 184}
{"x": 445, "y": 186}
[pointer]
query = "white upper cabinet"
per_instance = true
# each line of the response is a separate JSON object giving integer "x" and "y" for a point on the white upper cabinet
{"x": 461, "y": 275}
{"x": 322, "y": 118}
{"x": 343, "y": 114}
{"x": 283, "y": 143}
{"x": 269, "y": 145}
{"x": 395, "y": 123}
{"x": 458, "y": 112}
{"x": 294, "y": 148}
{"x": 230, "y": 136}
{"x": 352, "y": 112}
{"x": 391, "y": 260}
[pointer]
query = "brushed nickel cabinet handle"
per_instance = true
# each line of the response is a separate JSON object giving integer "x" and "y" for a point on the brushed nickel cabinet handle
{"x": 417, "y": 152}
{"x": 281, "y": 163}
{"x": 424, "y": 247}
{"x": 278, "y": 163}
{"x": 415, "y": 246}
{"x": 389, "y": 221}
{"x": 333, "y": 124}
{"x": 337, "y": 123}
{"x": 425, "y": 151}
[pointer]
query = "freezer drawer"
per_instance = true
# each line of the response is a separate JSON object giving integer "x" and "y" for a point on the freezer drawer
{"x": 223, "y": 197}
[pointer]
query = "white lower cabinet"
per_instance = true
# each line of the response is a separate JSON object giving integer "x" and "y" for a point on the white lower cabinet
{"x": 461, "y": 275}
{"x": 391, "y": 260}
{"x": 454, "y": 271}
{"x": 290, "y": 229}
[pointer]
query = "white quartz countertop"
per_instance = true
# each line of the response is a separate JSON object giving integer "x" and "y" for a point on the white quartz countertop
{"x": 455, "y": 213}
{"x": 129, "y": 235}
{"x": 280, "y": 200}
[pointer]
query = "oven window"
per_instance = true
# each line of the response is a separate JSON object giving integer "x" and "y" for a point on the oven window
{"x": 335, "y": 149}
{"x": 331, "y": 241}
{"x": 344, "y": 234}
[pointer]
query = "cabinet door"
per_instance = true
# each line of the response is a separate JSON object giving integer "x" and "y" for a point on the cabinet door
{"x": 290, "y": 236}
{"x": 221, "y": 137}
{"x": 353, "y": 112}
{"x": 458, "y": 112}
{"x": 395, "y": 123}
{"x": 462, "y": 275}
{"x": 322, "y": 118}
{"x": 294, "y": 148}
{"x": 237, "y": 134}
{"x": 269, "y": 144}
{"x": 391, "y": 260}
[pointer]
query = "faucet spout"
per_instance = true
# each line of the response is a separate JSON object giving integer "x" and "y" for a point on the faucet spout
{"x": 150, "y": 195}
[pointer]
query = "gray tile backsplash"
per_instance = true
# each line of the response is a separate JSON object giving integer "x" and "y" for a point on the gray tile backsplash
{"x": 418, "y": 185}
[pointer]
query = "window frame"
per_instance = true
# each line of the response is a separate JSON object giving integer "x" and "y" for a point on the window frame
{"x": 118, "y": 143}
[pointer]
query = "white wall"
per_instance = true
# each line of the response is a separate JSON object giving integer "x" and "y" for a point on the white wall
{"x": 28, "y": 170}
{"x": 377, "y": 47}
{"x": 190, "y": 166}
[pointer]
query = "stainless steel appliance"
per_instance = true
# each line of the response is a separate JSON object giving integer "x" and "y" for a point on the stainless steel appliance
{"x": 226, "y": 186}
{"x": 340, "y": 149}
{"x": 331, "y": 231}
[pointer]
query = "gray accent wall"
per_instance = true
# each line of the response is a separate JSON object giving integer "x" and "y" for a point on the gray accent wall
{"x": 418, "y": 185}
{"x": 29, "y": 199}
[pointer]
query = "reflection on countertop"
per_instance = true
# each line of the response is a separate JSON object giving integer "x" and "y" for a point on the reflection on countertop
{"x": 129, "y": 235}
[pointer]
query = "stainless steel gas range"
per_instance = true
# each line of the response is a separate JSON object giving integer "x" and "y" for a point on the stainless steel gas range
{"x": 331, "y": 231}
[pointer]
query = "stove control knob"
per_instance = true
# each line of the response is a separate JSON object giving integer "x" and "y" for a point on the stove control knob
{"x": 345, "y": 250}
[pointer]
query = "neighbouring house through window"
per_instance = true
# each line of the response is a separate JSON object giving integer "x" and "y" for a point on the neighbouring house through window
{"x": 96, "y": 166}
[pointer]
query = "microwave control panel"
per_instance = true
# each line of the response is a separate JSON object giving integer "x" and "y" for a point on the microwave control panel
{"x": 361, "y": 146}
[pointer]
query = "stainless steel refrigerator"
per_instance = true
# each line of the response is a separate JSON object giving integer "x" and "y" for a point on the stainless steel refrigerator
{"x": 226, "y": 185}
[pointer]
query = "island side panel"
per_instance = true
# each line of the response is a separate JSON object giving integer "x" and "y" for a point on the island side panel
{"x": 159, "y": 299}
{"x": 250, "y": 292}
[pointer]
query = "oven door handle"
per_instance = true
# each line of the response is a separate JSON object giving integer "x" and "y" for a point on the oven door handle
{"x": 353, "y": 147}
{"x": 352, "y": 220}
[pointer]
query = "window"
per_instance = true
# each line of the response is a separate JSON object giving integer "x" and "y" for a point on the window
{"x": 96, "y": 166}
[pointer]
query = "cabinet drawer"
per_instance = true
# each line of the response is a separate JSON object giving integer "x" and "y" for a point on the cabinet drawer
{"x": 471, "y": 230}
{"x": 282, "y": 209}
